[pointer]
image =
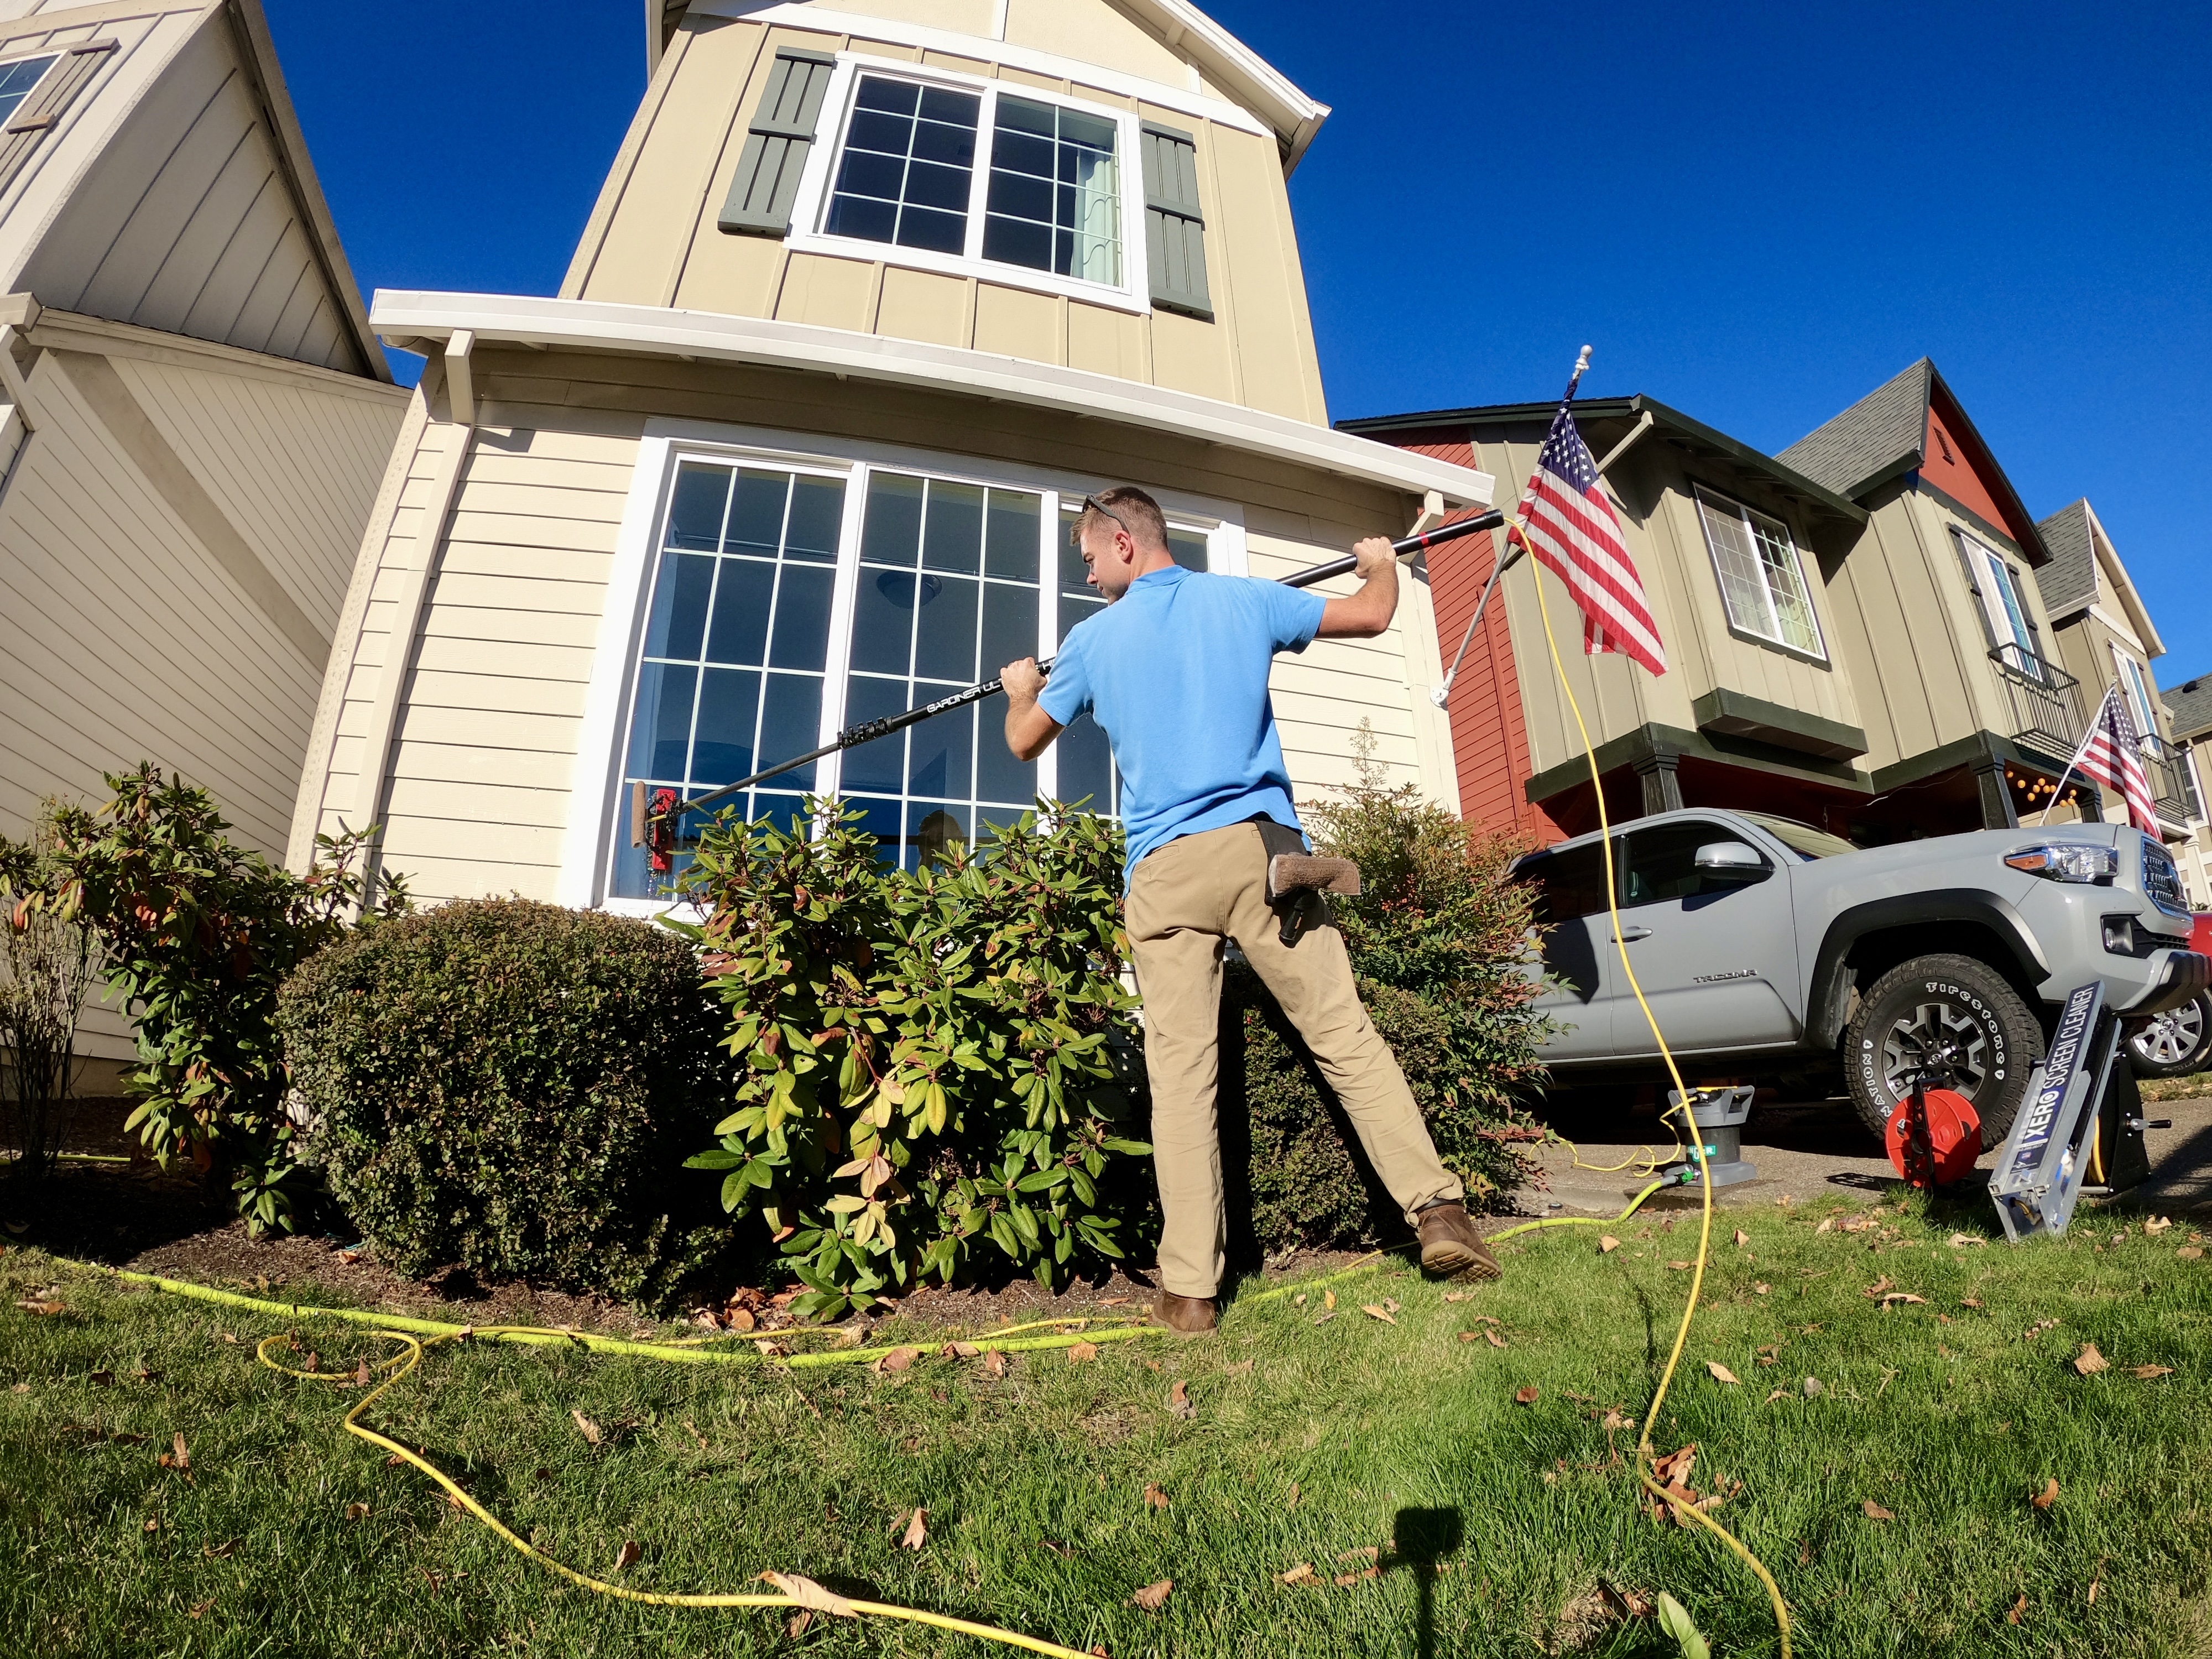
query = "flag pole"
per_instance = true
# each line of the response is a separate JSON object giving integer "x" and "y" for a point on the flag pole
{"x": 1511, "y": 558}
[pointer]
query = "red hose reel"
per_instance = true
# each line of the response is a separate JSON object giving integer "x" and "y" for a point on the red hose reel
{"x": 1933, "y": 1137}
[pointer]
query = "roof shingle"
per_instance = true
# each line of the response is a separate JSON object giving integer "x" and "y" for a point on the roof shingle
{"x": 1888, "y": 425}
{"x": 2069, "y": 581}
{"x": 2190, "y": 704}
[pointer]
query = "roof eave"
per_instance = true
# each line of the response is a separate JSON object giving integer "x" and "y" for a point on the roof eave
{"x": 413, "y": 319}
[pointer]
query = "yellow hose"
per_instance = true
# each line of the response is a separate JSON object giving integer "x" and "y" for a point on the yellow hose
{"x": 1643, "y": 1452}
{"x": 405, "y": 1365}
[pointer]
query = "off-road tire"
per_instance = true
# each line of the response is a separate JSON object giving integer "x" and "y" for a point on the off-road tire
{"x": 2175, "y": 1043}
{"x": 1931, "y": 1002}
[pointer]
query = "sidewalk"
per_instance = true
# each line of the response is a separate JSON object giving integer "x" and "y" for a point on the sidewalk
{"x": 1810, "y": 1149}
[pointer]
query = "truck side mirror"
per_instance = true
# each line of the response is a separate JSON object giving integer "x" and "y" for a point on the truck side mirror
{"x": 1731, "y": 862}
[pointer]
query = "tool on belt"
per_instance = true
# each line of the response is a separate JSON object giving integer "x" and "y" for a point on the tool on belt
{"x": 1296, "y": 879}
{"x": 652, "y": 823}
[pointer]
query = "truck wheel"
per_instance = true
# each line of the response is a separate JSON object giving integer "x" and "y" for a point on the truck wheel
{"x": 2175, "y": 1043}
{"x": 1949, "y": 1011}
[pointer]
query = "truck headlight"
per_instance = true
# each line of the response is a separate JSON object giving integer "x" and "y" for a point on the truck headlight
{"x": 2066, "y": 861}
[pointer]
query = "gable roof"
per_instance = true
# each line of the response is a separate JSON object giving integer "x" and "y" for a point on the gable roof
{"x": 2191, "y": 705}
{"x": 2069, "y": 581}
{"x": 1884, "y": 434}
{"x": 1686, "y": 433}
{"x": 1243, "y": 76}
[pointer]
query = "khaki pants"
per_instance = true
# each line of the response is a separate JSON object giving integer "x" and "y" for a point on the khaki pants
{"x": 1187, "y": 898}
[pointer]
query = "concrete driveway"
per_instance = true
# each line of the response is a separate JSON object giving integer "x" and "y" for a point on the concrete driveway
{"x": 1809, "y": 1149}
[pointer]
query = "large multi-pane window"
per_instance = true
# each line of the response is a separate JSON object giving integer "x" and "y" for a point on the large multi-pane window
{"x": 1047, "y": 196}
{"x": 1762, "y": 583}
{"x": 776, "y": 618}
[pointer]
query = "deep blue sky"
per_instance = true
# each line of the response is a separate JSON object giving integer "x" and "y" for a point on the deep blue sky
{"x": 1756, "y": 212}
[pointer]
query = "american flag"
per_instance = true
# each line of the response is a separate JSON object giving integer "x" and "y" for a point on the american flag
{"x": 2112, "y": 755}
{"x": 1573, "y": 533}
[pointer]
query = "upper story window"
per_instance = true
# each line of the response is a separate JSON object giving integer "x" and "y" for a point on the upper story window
{"x": 17, "y": 81}
{"x": 789, "y": 602}
{"x": 964, "y": 175}
{"x": 2136, "y": 688}
{"x": 1762, "y": 582}
{"x": 1998, "y": 584}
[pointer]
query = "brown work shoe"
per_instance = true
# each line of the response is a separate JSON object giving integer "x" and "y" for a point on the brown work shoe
{"x": 1450, "y": 1244}
{"x": 1186, "y": 1316}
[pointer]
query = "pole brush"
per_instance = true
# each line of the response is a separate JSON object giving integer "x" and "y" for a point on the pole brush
{"x": 644, "y": 812}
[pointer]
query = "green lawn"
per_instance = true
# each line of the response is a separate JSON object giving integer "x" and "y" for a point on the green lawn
{"x": 1311, "y": 1442}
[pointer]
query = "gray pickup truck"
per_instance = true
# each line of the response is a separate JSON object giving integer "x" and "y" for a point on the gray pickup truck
{"x": 1771, "y": 951}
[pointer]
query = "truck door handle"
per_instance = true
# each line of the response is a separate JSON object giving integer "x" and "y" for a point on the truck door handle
{"x": 1629, "y": 935}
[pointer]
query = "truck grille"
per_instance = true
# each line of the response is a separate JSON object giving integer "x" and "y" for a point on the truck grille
{"x": 2162, "y": 879}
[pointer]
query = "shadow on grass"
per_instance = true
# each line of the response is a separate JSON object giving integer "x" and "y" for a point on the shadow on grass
{"x": 1423, "y": 1540}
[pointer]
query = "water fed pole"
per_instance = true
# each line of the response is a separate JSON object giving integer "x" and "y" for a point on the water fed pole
{"x": 869, "y": 731}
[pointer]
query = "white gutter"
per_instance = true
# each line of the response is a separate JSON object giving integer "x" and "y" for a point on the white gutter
{"x": 409, "y": 320}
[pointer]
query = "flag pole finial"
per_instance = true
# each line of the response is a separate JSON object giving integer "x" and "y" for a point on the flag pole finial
{"x": 1582, "y": 362}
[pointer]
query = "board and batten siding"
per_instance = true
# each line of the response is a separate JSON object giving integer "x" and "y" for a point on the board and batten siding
{"x": 161, "y": 200}
{"x": 654, "y": 238}
{"x": 486, "y": 701}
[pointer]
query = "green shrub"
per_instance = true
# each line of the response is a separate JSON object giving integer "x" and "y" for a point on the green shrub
{"x": 195, "y": 934}
{"x": 929, "y": 1059}
{"x": 511, "y": 1086}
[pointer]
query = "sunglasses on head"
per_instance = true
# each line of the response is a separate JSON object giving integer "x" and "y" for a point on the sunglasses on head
{"x": 1092, "y": 504}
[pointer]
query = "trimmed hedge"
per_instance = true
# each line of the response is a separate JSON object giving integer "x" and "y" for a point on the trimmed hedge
{"x": 512, "y": 1087}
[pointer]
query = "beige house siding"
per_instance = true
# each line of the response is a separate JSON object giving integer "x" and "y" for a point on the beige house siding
{"x": 654, "y": 240}
{"x": 163, "y": 202}
{"x": 477, "y": 792}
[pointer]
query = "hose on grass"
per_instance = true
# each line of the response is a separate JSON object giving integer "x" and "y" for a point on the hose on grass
{"x": 792, "y": 1591}
{"x": 1634, "y": 1205}
{"x": 1687, "y": 1513}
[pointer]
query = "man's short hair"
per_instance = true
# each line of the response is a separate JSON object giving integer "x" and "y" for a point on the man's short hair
{"x": 1133, "y": 510}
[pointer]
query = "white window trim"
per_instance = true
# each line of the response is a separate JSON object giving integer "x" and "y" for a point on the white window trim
{"x": 587, "y": 850}
{"x": 1820, "y": 651}
{"x": 1996, "y": 576}
{"x": 53, "y": 55}
{"x": 2135, "y": 686}
{"x": 811, "y": 206}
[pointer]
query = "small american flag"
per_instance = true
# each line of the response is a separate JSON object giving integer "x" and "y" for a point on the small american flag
{"x": 1573, "y": 533}
{"x": 2112, "y": 755}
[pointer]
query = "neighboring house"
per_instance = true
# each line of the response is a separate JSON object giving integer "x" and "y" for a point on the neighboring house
{"x": 2107, "y": 638}
{"x": 194, "y": 416}
{"x": 871, "y": 297}
{"x": 1853, "y": 637}
{"x": 2189, "y": 717}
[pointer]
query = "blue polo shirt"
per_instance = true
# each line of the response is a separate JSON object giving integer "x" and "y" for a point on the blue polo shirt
{"x": 1176, "y": 673}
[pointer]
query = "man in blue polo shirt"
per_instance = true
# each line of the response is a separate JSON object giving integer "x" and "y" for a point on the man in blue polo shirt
{"x": 1174, "y": 671}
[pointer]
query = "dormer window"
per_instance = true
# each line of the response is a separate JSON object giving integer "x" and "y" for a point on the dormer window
{"x": 17, "y": 81}
{"x": 963, "y": 175}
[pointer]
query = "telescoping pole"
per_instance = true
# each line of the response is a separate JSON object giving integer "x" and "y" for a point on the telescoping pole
{"x": 869, "y": 731}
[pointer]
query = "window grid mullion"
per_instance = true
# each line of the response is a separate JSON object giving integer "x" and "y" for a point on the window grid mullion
{"x": 979, "y": 184}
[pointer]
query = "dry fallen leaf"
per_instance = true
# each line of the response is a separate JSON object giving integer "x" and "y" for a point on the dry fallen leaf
{"x": 1676, "y": 1465}
{"x": 1815, "y": 1387}
{"x": 1614, "y": 1421}
{"x": 2018, "y": 1608}
{"x": 199, "y": 1608}
{"x": 217, "y": 1552}
{"x": 155, "y": 1525}
{"x": 1328, "y": 1298}
{"x": 1875, "y": 1512}
{"x": 183, "y": 1460}
{"x": 1457, "y": 1296}
{"x": 1760, "y": 1290}
{"x": 1293, "y": 1503}
{"x": 795, "y": 1626}
{"x": 1743, "y": 1239}
{"x": 917, "y": 1534}
{"x": 1299, "y": 1300}
{"x": 1179, "y": 1402}
{"x": 1607, "y": 1244}
{"x": 2187, "y": 1253}
{"x": 1154, "y": 1497}
{"x": 1681, "y": 1267}
{"x": 1721, "y": 1373}
{"x": 1152, "y": 1597}
{"x": 1826, "y": 1226}
{"x": 2146, "y": 1372}
{"x": 42, "y": 1307}
{"x": 626, "y": 1557}
{"x": 2089, "y": 1361}
{"x": 1323, "y": 1319}
{"x": 994, "y": 1364}
{"x": 1081, "y": 1351}
{"x": 1302, "y": 1573}
{"x": 1959, "y": 1240}
{"x": 2156, "y": 1225}
{"x": 591, "y": 1429}
{"x": 1374, "y": 1310}
{"x": 1490, "y": 1335}
{"x": 2047, "y": 1497}
{"x": 1525, "y": 1396}
{"x": 898, "y": 1359}
{"x": 808, "y": 1593}
{"x": 1894, "y": 1297}
{"x": 356, "y": 1511}
{"x": 1778, "y": 1394}
{"x": 361, "y": 1375}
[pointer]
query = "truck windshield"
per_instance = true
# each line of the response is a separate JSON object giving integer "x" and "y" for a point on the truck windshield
{"x": 1801, "y": 839}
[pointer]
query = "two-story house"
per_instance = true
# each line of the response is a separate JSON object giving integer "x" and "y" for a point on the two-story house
{"x": 874, "y": 293}
{"x": 1854, "y": 635}
{"x": 2189, "y": 721}
{"x": 2105, "y": 638}
{"x": 194, "y": 416}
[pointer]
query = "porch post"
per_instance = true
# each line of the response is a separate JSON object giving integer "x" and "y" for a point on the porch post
{"x": 1662, "y": 790}
{"x": 1996, "y": 795}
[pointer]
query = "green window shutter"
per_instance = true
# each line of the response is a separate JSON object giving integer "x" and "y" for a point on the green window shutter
{"x": 776, "y": 146}
{"x": 1175, "y": 223}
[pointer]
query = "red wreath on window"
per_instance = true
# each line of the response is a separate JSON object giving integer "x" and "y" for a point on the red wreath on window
{"x": 660, "y": 830}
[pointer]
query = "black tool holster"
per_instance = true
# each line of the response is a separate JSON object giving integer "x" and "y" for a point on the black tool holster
{"x": 1305, "y": 908}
